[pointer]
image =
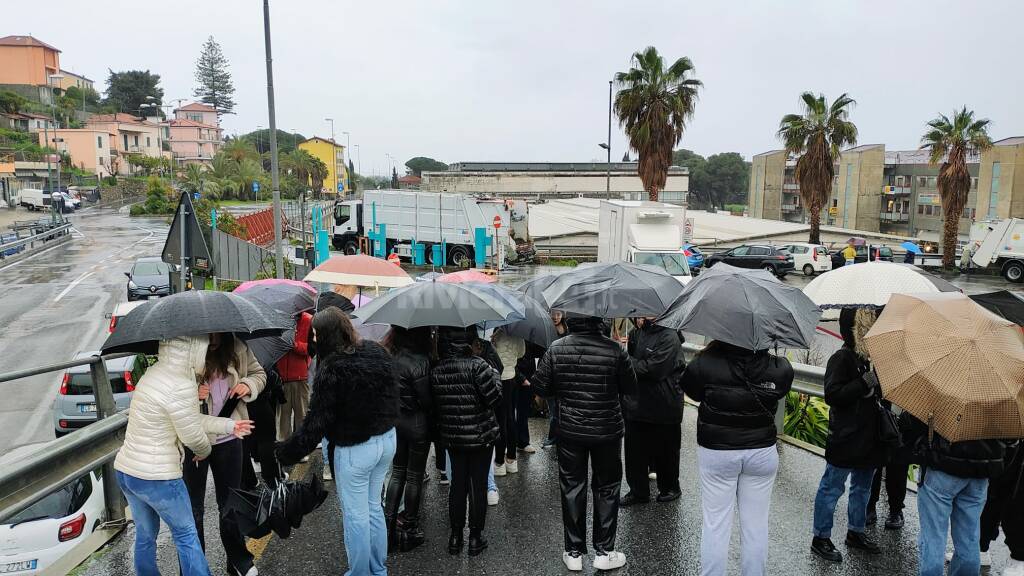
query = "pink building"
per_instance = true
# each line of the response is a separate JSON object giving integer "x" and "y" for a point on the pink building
{"x": 89, "y": 148}
{"x": 128, "y": 135}
{"x": 194, "y": 134}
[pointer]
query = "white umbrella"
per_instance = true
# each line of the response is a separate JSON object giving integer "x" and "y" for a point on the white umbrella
{"x": 866, "y": 285}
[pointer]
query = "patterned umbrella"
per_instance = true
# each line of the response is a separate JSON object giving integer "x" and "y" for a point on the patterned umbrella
{"x": 359, "y": 270}
{"x": 866, "y": 285}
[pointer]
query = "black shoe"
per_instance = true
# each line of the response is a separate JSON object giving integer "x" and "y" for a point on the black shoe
{"x": 455, "y": 543}
{"x": 477, "y": 544}
{"x": 872, "y": 518}
{"x": 669, "y": 496}
{"x": 860, "y": 541}
{"x": 630, "y": 499}
{"x": 823, "y": 547}
{"x": 410, "y": 539}
{"x": 894, "y": 521}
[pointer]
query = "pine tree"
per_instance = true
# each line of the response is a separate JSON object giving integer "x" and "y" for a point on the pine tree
{"x": 394, "y": 179}
{"x": 214, "y": 79}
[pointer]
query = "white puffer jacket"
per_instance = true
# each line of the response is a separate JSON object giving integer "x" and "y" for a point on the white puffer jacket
{"x": 164, "y": 414}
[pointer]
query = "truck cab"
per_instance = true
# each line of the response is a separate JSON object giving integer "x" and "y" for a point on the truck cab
{"x": 648, "y": 233}
{"x": 348, "y": 218}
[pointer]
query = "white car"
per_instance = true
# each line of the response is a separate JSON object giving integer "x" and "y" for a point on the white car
{"x": 41, "y": 534}
{"x": 810, "y": 258}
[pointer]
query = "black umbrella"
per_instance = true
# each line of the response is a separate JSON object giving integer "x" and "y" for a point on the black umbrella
{"x": 535, "y": 288}
{"x": 435, "y": 304}
{"x": 288, "y": 298}
{"x": 193, "y": 313}
{"x": 1004, "y": 303}
{"x": 535, "y": 325}
{"x": 614, "y": 290}
{"x": 751, "y": 309}
{"x": 279, "y": 509}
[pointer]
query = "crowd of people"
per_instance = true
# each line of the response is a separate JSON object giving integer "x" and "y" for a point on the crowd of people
{"x": 376, "y": 408}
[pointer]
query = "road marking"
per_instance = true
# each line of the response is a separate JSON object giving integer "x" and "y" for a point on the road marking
{"x": 76, "y": 282}
{"x": 77, "y": 231}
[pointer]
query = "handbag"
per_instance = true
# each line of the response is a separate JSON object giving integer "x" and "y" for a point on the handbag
{"x": 889, "y": 433}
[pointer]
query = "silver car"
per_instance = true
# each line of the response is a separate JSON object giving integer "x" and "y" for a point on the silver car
{"x": 75, "y": 406}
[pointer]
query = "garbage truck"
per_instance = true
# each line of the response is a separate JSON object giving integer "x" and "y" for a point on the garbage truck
{"x": 643, "y": 232}
{"x": 1000, "y": 243}
{"x": 430, "y": 227}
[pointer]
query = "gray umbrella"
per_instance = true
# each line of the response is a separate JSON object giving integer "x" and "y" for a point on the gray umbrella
{"x": 751, "y": 309}
{"x": 535, "y": 288}
{"x": 436, "y": 304}
{"x": 289, "y": 298}
{"x": 193, "y": 313}
{"x": 614, "y": 290}
{"x": 537, "y": 326}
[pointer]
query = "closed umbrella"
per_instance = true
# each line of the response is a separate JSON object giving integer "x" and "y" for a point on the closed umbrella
{"x": 750, "y": 309}
{"x": 535, "y": 287}
{"x": 614, "y": 290}
{"x": 193, "y": 313}
{"x": 951, "y": 363}
{"x": 866, "y": 285}
{"x": 359, "y": 270}
{"x": 436, "y": 304}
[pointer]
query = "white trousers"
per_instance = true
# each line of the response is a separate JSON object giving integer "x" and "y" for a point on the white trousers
{"x": 728, "y": 477}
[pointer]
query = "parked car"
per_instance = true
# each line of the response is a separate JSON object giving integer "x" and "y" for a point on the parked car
{"x": 75, "y": 405}
{"x": 769, "y": 258}
{"x": 119, "y": 312}
{"x": 149, "y": 278}
{"x": 877, "y": 253}
{"x": 694, "y": 257}
{"x": 72, "y": 201}
{"x": 809, "y": 258}
{"x": 35, "y": 538}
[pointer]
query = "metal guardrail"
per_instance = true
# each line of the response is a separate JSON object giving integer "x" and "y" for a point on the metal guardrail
{"x": 33, "y": 477}
{"x": 17, "y": 248}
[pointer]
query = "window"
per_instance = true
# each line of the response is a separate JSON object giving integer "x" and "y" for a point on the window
{"x": 932, "y": 181}
{"x": 99, "y": 142}
{"x": 993, "y": 196}
{"x": 920, "y": 208}
{"x": 974, "y": 183}
{"x": 125, "y": 136}
{"x": 760, "y": 251}
{"x": 135, "y": 140}
{"x": 922, "y": 181}
{"x": 835, "y": 202}
{"x": 740, "y": 251}
{"x": 149, "y": 143}
{"x": 194, "y": 116}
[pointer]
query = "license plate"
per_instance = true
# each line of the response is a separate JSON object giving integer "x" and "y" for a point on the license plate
{"x": 18, "y": 566}
{"x": 87, "y": 408}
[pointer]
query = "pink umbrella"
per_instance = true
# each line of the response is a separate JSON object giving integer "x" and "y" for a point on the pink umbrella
{"x": 273, "y": 282}
{"x": 359, "y": 270}
{"x": 360, "y": 300}
{"x": 466, "y": 276}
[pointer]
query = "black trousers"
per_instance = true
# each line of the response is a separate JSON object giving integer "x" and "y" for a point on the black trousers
{"x": 225, "y": 461}
{"x": 407, "y": 471}
{"x": 574, "y": 460}
{"x": 260, "y": 444}
{"x": 1005, "y": 507}
{"x": 505, "y": 447}
{"x": 469, "y": 480}
{"x": 895, "y": 484}
{"x": 652, "y": 446}
{"x": 524, "y": 407}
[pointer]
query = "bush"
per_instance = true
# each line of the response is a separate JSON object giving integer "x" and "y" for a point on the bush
{"x": 806, "y": 419}
{"x": 158, "y": 199}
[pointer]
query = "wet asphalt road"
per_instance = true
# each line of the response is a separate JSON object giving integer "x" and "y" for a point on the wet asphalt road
{"x": 525, "y": 531}
{"x": 52, "y": 307}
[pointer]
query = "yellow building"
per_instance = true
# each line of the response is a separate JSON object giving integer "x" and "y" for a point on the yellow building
{"x": 333, "y": 155}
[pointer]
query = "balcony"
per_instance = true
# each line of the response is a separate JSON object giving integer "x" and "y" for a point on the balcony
{"x": 792, "y": 208}
{"x": 894, "y": 217}
{"x": 791, "y": 186}
{"x": 896, "y": 190}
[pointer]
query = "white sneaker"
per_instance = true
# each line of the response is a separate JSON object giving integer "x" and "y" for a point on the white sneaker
{"x": 528, "y": 449}
{"x": 444, "y": 481}
{"x": 986, "y": 560}
{"x": 327, "y": 474}
{"x": 609, "y": 561}
{"x": 492, "y": 497}
{"x": 304, "y": 459}
{"x": 949, "y": 557}
{"x": 499, "y": 470}
{"x": 512, "y": 466}
{"x": 652, "y": 476}
{"x": 1014, "y": 568}
{"x": 573, "y": 561}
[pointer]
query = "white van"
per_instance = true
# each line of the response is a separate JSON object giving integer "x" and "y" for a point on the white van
{"x": 34, "y": 199}
{"x": 810, "y": 258}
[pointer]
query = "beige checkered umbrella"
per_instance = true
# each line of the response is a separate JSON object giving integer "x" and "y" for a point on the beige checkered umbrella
{"x": 944, "y": 358}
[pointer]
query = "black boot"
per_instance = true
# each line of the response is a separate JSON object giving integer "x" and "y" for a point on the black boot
{"x": 410, "y": 536}
{"x": 895, "y": 521}
{"x": 823, "y": 547}
{"x": 860, "y": 541}
{"x": 455, "y": 543}
{"x": 477, "y": 543}
{"x": 392, "y": 525}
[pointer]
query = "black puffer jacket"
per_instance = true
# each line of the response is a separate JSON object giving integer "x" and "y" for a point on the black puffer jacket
{"x": 465, "y": 390}
{"x": 412, "y": 370}
{"x": 853, "y": 416}
{"x": 738, "y": 391}
{"x": 970, "y": 459}
{"x": 355, "y": 397}
{"x": 657, "y": 356}
{"x": 588, "y": 373}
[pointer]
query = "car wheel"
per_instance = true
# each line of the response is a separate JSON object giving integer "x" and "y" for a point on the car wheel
{"x": 1014, "y": 272}
{"x": 770, "y": 268}
{"x": 808, "y": 270}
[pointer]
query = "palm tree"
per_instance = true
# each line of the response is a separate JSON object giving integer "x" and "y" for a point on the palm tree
{"x": 653, "y": 105}
{"x": 300, "y": 162}
{"x": 197, "y": 178}
{"x": 817, "y": 136}
{"x": 238, "y": 149}
{"x": 950, "y": 143}
{"x": 317, "y": 173}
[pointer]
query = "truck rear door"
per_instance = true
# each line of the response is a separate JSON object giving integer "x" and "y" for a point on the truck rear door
{"x": 992, "y": 243}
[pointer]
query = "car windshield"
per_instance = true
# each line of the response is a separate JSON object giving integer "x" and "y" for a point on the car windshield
{"x": 342, "y": 212}
{"x": 63, "y": 502}
{"x": 149, "y": 269}
{"x": 672, "y": 262}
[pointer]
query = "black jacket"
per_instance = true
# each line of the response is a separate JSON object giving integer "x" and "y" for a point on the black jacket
{"x": 739, "y": 391}
{"x": 657, "y": 356}
{"x": 355, "y": 397}
{"x": 465, "y": 391}
{"x": 970, "y": 459}
{"x": 412, "y": 371}
{"x": 527, "y": 365}
{"x": 588, "y": 373}
{"x": 853, "y": 417}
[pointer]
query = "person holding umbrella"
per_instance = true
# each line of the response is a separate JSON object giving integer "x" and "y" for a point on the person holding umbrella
{"x": 558, "y": 319}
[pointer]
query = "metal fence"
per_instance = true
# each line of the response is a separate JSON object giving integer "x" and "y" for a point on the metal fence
{"x": 42, "y": 237}
{"x": 240, "y": 261}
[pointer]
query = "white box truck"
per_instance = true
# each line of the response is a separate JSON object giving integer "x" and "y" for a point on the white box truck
{"x": 1000, "y": 243}
{"x": 643, "y": 232}
{"x": 429, "y": 218}
{"x": 34, "y": 199}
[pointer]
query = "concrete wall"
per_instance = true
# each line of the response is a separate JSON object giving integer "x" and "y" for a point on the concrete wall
{"x": 766, "y": 174}
{"x": 534, "y": 183}
{"x": 857, "y": 190}
{"x": 1010, "y": 199}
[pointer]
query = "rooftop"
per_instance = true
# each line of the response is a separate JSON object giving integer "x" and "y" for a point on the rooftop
{"x": 1011, "y": 141}
{"x": 68, "y": 73}
{"x": 116, "y": 117}
{"x": 26, "y": 41}
{"x": 198, "y": 107}
{"x": 327, "y": 140}
{"x": 186, "y": 123}
{"x": 552, "y": 167}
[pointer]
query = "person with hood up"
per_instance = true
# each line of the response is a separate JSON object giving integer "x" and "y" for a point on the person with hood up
{"x": 466, "y": 390}
{"x": 655, "y": 413}
{"x": 164, "y": 415}
{"x": 589, "y": 374}
{"x": 737, "y": 457}
{"x": 853, "y": 448}
{"x": 353, "y": 410}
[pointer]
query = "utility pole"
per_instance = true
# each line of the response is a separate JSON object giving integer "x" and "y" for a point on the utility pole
{"x": 347, "y": 157}
{"x": 608, "y": 172}
{"x": 334, "y": 156}
{"x": 275, "y": 177}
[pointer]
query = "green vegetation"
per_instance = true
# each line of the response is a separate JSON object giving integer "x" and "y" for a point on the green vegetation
{"x": 134, "y": 90}
{"x": 214, "y": 79}
{"x": 950, "y": 142}
{"x": 571, "y": 262}
{"x": 806, "y": 419}
{"x": 653, "y": 105}
{"x": 816, "y": 137}
{"x": 260, "y": 139}
{"x": 716, "y": 181}
{"x": 736, "y": 208}
{"x": 159, "y": 199}
{"x": 421, "y": 164}
{"x": 11, "y": 102}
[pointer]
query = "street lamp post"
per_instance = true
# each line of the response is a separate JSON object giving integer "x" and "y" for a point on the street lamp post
{"x": 46, "y": 134}
{"x": 275, "y": 177}
{"x": 359, "y": 159}
{"x": 334, "y": 156}
{"x": 608, "y": 171}
{"x": 346, "y": 159}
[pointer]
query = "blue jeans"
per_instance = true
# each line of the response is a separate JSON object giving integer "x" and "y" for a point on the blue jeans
{"x": 360, "y": 472}
{"x": 167, "y": 500}
{"x": 943, "y": 498}
{"x": 831, "y": 488}
{"x": 492, "y": 486}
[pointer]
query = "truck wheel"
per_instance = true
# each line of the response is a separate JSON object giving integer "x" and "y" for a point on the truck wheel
{"x": 1014, "y": 272}
{"x": 350, "y": 248}
{"x": 460, "y": 256}
{"x": 428, "y": 254}
{"x": 808, "y": 270}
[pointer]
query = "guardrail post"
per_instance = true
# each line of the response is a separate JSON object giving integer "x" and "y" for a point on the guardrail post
{"x": 113, "y": 500}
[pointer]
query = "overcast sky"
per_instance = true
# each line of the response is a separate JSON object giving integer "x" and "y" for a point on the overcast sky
{"x": 528, "y": 80}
